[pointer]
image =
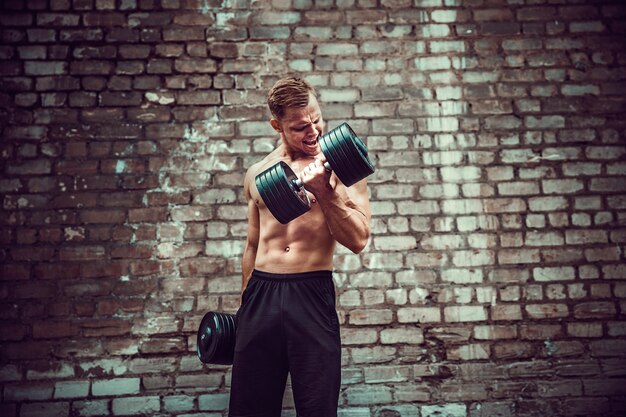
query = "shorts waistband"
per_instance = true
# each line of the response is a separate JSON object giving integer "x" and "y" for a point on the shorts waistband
{"x": 297, "y": 276}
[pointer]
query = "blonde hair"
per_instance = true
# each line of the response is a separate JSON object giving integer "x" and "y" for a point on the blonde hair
{"x": 288, "y": 92}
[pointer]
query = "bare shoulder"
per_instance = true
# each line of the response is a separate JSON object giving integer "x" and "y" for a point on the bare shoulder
{"x": 256, "y": 168}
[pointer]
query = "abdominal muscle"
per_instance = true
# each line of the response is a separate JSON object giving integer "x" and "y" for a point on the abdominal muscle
{"x": 304, "y": 244}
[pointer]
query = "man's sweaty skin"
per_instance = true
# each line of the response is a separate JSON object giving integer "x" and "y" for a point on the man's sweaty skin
{"x": 338, "y": 214}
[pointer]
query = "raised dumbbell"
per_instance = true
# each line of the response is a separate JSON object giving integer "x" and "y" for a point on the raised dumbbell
{"x": 216, "y": 338}
{"x": 283, "y": 192}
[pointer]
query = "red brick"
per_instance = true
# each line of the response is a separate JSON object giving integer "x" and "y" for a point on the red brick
{"x": 13, "y": 272}
{"x": 493, "y": 15}
{"x": 104, "y": 19}
{"x": 37, "y": 253}
{"x": 595, "y": 310}
{"x": 12, "y": 332}
{"x": 103, "y": 216}
{"x": 82, "y": 253}
{"x": 56, "y": 271}
{"x": 50, "y": 329}
{"x": 194, "y": 19}
{"x": 105, "y": 327}
{"x": 152, "y": 214}
{"x": 108, "y": 268}
{"x": 26, "y": 350}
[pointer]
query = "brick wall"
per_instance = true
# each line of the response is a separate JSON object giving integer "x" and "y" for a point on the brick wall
{"x": 494, "y": 283}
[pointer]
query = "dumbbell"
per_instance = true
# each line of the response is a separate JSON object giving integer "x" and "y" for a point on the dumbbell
{"x": 283, "y": 192}
{"x": 216, "y": 338}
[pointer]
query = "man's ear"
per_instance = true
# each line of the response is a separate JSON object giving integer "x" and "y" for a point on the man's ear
{"x": 276, "y": 125}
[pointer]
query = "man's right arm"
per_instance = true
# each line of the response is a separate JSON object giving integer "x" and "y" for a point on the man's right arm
{"x": 252, "y": 240}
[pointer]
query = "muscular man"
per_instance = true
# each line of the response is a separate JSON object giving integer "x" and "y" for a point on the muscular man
{"x": 287, "y": 322}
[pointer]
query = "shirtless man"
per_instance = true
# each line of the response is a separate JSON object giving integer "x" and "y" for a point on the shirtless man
{"x": 287, "y": 322}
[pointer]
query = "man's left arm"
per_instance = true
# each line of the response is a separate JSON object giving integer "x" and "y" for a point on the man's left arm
{"x": 347, "y": 213}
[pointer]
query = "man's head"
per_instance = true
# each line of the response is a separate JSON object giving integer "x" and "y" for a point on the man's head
{"x": 288, "y": 92}
{"x": 296, "y": 115}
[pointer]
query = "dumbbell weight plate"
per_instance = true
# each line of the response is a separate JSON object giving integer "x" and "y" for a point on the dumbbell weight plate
{"x": 226, "y": 350}
{"x": 347, "y": 154}
{"x": 285, "y": 201}
{"x": 358, "y": 155}
{"x": 216, "y": 338}
{"x": 347, "y": 168}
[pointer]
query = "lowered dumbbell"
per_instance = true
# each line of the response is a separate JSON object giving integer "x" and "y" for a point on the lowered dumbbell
{"x": 216, "y": 338}
{"x": 283, "y": 192}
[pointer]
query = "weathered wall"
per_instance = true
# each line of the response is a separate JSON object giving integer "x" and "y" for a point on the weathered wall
{"x": 494, "y": 283}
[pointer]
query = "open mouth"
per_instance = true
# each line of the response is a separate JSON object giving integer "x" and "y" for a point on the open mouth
{"x": 310, "y": 142}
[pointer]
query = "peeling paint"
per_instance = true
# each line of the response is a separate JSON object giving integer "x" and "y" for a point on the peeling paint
{"x": 74, "y": 233}
{"x": 120, "y": 166}
{"x": 160, "y": 98}
{"x": 551, "y": 349}
{"x": 554, "y": 157}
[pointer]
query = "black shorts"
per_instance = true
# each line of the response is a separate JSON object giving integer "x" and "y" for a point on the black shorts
{"x": 287, "y": 323}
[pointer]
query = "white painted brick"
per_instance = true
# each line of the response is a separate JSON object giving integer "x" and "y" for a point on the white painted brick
{"x": 445, "y": 16}
{"x": 225, "y": 248}
{"x": 443, "y": 158}
{"x": 486, "y": 295}
{"x": 462, "y": 276}
{"x": 563, "y": 273}
{"x": 91, "y": 408}
{"x": 462, "y": 314}
{"x": 342, "y": 49}
{"x": 473, "y": 223}
{"x": 423, "y": 207}
{"x": 368, "y": 394}
{"x": 71, "y": 389}
{"x": 135, "y": 406}
{"x": 353, "y": 412}
{"x": 447, "y": 410}
{"x": 482, "y": 240}
{"x": 438, "y": 124}
{"x": 213, "y": 402}
{"x": 394, "y": 243}
{"x": 460, "y": 174}
{"x": 396, "y": 296}
{"x": 350, "y": 298}
{"x": 433, "y": 30}
{"x": 581, "y": 219}
{"x": 359, "y": 336}
{"x": 544, "y": 239}
{"x": 547, "y": 203}
{"x": 177, "y": 403}
{"x": 369, "y": 279}
{"x": 465, "y": 206}
{"x": 473, "y": 352}
{"x": 442, "y": 242}
{"x": 419, "y": 315}
{"x": 562, "y": 186}
{"x": 338, "y": 95}
{"x": 446, "y": 46}
{"x": 448, "y": 93}
{"x": 301, "y": 65}
{"x": 410, "y": 335}
{"x": 439, "y": 190}
{"x": 432, "y": 63}
{"x": 379, "y": 374}
{"x": 116, "y": 386}
{"x": 394, "y": 191}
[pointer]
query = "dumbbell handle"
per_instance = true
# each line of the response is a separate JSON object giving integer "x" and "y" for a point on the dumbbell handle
{"x": 299, "y": 183}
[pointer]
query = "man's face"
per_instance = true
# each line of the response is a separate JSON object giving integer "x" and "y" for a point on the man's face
{"x": 302, "y": 127}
